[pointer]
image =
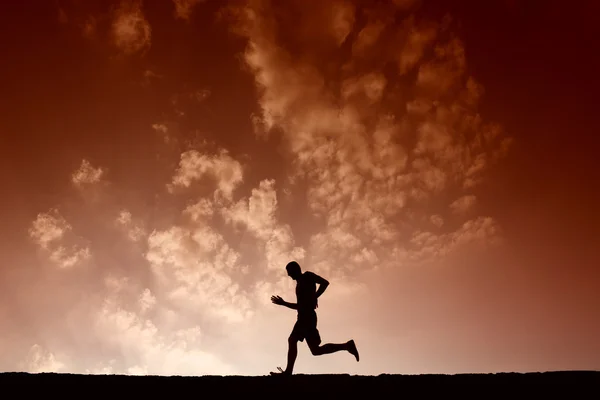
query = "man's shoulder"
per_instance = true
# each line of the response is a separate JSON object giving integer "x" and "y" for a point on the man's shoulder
{"x": 310, "y": 276}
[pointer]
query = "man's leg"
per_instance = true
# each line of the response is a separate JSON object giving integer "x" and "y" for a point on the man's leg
{"x": 314, "y": 344}
{"x": 313, "y": 340}
{"x": 292, "y": 354}
{"x": 328, "y": 348}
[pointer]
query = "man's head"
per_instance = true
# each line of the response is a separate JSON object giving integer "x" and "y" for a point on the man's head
{"x": 293, "y": 270}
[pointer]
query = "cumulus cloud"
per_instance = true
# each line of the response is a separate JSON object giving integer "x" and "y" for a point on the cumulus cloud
{"x": 68, "y": 257}
{"x": 258, "y": 211}
{"x": 147, "y": 300}
{"x": 426, "y": 246}
{"x": 203, "y": 208}
{"x": 380, "y": 124}
{"x": 221, "y": 167}
{"x": 163, "y": 131}
{"x": 132, "y": 330}
{"x": 49, "y": 230}
{"x": 258, "y": 214}
{"x": 86, "y": 174}
{"x": 200, "y": 95}
{"x": 63, "y": 18}
{"x": 371, "y": 158}
{"x": 131, "y": 31}
{"x": 194, "y": 268}
{"x": 437, "y": 220}
{"x": 463, "y": 204}
{"x": 89, "y": 27}
{"x": 199, "y": 278}
{"x": 40, "y": 360}
{"x": 145, "y": 349}
{"x": 148, "y": 77}
{"x": 418, "y": 38}
{"x": 160, "y": 128}
{"x": 342, "y": 20}
{"x": 134, "y": 231}
{"x": 184, "y": 8}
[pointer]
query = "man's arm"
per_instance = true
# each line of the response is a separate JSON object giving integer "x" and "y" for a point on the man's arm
{"x": 323, "y": 283}
{"x": 293, "y": 306}
{"x": 281, "y": 302}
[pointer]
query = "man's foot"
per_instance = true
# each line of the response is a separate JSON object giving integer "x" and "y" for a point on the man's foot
{"x": 281, "y": 372}
{"x": 352, "y": 349}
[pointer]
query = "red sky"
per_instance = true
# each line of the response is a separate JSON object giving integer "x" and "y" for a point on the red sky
{"x": 163, "y": 161}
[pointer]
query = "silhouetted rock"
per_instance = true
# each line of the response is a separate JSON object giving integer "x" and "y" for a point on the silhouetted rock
{"x": 572, "y": 384}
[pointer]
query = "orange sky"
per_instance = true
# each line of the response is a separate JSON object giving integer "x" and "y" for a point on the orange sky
{"x": 163, "y": 161}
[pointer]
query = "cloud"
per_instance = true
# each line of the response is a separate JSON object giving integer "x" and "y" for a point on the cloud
{"x": 425, "y": 246}
{"x": 48, "y": 227}
{"x": 145, "y": 349}
{"x": 40, "y": 360}
{"x": 63, "y": 18}
{"x": 445, "y": 70}
{"x": 437, "y": 220}
{"x": 160, "y": 128}
{"x": 163, "y": 131}
{"x": 86, "y": 174}
{"x": 149, "y": 76}
{"x": 371, "y": 158}
{"x": 89, "y": 27}
{"x": 183, "y": 8}
{"x": 134, "y": 232}
{"x": 49, "y": 230}
{"x": 203, "y": 208}
{"x": 342, "y": 20}
{"x": 221, "y": 167}
{"x": 147, "y": 300}
{"x": 463, "y": 204}
{"x": 258, "y": 211}
{"x": 131, "y": 32}
{"x": 195, "y": 267}
{"x": 386, "y": 150}
{"x": 194, "y": 280}
{"x": 258, "y": 214}
{"x": 200, "y": 95}
{"x": 418, "y": 39}
{"x": 68, "y": 257}
{"x": 131, "y": 329}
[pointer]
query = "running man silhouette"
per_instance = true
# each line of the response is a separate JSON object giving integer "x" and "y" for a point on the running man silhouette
{"x": 306, "y": 323}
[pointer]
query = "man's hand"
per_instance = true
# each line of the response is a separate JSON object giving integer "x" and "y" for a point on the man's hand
{"x": 280, "y": 302}
{"x": 277, "y": 300}
{"x": 323, "y": 284}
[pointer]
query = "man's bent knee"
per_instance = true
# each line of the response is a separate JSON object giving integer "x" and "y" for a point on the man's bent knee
{"x": 315, "y": 348}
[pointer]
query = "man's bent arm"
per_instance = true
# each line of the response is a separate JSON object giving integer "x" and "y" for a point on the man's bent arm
{"x": 293, "y": 306}
{"x": 323, "y": 283}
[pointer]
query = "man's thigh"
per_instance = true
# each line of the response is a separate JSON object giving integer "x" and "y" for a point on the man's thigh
{"x": 297, "y": 333}
{"x": 311, "y": 333}
{"x": 313, "y": 338}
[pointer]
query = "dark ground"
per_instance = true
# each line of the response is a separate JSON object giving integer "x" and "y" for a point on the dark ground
{"x": 567, "y": 384}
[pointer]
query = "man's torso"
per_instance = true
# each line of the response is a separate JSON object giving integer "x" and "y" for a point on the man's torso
{"x": 306, "y": 289}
